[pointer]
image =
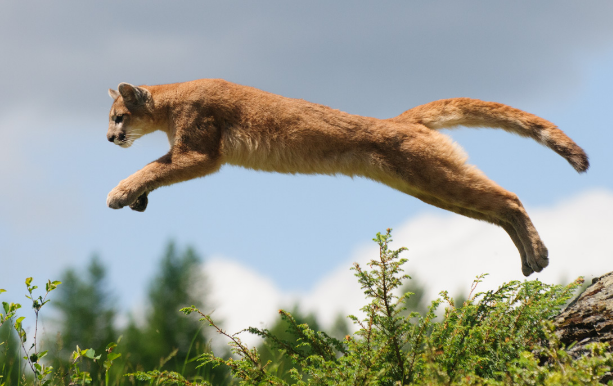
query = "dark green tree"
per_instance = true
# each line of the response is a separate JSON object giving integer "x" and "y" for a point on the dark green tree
{"x": 340, "y": 327}
{"x": 87, "y": 311}
{"x": 10, "y": 355}
{"x": 168, "y": 340}
{"x": 416, "y": 302}
{"x": 281, "y": 363}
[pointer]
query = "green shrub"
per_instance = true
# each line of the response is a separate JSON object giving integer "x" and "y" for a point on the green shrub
{"x": 500, "y": 337}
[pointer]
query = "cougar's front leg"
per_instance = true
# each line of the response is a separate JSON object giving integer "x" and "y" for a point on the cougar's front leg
{"x": 176, "y": 166}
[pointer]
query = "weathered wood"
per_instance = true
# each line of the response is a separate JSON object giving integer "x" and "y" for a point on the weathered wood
{"x": 589, "y": 318}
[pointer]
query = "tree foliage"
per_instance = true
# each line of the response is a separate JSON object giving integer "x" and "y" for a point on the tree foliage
{"x": 86, "y": 310}
{"x": 269, "y": 350}
{"x": 10, "y": 358}
{"x": 167, "y": 340}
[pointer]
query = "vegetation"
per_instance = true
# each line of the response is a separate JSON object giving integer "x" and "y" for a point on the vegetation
{"x": 86, "y": 315}
{"x": 167, "y": 339}
{"x": 499, "y": 337}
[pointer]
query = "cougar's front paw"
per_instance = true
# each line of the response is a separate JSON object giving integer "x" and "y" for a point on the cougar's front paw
{"x": 121, "y": 196}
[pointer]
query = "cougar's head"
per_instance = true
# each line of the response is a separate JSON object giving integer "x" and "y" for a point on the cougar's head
{"x": 131, "y": 114}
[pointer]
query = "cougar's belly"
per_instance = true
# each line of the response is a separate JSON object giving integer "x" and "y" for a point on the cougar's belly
{"x": 295, "y": 156}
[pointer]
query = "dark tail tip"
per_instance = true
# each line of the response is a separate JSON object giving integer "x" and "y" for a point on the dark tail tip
{"x": 579, "y": 161}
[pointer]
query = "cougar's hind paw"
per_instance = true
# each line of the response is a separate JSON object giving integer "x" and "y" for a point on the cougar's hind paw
{"x": 542, "y": 259}
{"x": 537, "y": 261}
{"x": 526, "y": 270}
{"x": 140, "y": 204}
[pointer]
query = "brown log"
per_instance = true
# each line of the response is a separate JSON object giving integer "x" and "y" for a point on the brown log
{"x": 589, "y": 318}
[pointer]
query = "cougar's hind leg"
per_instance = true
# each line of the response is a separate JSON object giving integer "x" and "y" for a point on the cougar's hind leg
{"x": 525, "y": 267}
{"x": 427, "y": 163}
{"x": 526, "y": 270}
{"x": 537, "y": 257}
{"x": 468, "y": 188}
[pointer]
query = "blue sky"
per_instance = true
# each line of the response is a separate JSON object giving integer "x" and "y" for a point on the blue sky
{"x": 553, "y": 59}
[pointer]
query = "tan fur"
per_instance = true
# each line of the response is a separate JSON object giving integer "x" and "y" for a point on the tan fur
{"x": 211, "y": 122}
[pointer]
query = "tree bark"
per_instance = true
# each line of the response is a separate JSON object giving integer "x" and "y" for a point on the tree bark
{"x": 589, "y": 318}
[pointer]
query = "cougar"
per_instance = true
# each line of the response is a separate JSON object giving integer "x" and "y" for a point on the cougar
{"x": 211, "y": 122}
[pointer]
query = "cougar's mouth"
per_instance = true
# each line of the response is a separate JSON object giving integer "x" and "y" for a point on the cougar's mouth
{"x": 120, "y": 139}
{"x": 125, "y": 144}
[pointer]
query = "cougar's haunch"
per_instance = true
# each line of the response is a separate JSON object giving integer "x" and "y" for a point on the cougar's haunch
{"x": 211, "y": 122}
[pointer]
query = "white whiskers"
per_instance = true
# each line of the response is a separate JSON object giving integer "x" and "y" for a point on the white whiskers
{"x": 131, "y": 137}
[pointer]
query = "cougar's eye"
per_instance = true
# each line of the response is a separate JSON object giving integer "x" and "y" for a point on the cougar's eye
{"x": 118, "y": 119}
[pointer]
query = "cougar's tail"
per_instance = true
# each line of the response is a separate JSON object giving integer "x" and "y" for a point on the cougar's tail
{"x": 447, "y": 113}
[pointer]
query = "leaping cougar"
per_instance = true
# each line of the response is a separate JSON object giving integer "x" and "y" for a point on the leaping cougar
{"x": 210, "y": 122}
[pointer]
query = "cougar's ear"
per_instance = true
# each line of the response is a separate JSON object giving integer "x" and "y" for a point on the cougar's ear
{"x": 113, "y": 93}
{"x": 132, "y": 94}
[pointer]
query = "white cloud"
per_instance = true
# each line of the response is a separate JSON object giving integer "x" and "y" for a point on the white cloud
{"x": 445, "y": 252}
{"x": 242, "y": 297}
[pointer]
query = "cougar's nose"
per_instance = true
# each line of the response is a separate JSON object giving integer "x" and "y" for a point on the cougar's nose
{"x": 111, "y": 137}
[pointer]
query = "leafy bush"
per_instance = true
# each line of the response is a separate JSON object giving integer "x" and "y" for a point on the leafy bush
{"x": 499, "y": 337}
{"x": 496, "y": 337}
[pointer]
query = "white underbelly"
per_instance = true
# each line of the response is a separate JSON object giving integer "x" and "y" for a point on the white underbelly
{"x": 278, "y": 157}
